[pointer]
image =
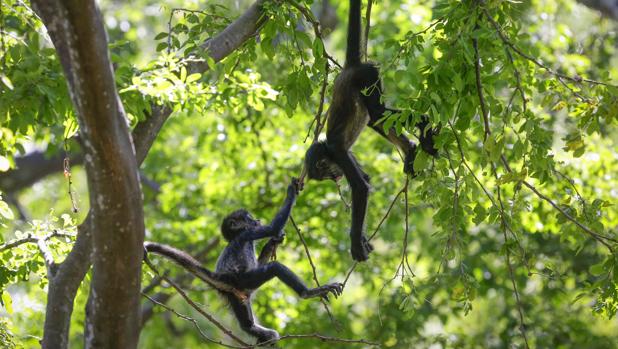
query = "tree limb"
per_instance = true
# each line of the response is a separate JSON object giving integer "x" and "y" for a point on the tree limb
{"x": 63, "y": 287}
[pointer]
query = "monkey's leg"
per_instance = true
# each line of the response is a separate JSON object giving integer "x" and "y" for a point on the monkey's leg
{"x": 257, "y": 277}
{"x": 369, "y": 79}
{"x": 244, "y": 315}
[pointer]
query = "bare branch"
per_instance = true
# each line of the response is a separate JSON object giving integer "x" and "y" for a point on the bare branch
{"x": 195, "y": 306}
{"x": 479, "y": 89}
{"x": 576, "y": 79}
{"x": 315, "y": 276}
{"x": 190, "y": 319}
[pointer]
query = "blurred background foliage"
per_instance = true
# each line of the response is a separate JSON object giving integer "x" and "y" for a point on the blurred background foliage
{"x": 239, "y": 132}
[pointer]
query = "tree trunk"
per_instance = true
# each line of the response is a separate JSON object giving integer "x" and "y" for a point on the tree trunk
{"x": 116, "y": 214}
{"x": 64, "y": 22}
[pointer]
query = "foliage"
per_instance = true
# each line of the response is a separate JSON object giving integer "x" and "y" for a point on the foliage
{"x": 515, "y": 220}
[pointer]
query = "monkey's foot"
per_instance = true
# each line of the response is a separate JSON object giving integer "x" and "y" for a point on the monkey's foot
{"x": 265, "y": 336}
{"x": 427, "y": 143}
{"x": 361, "y": 249}
{"x": 335, "y": 288}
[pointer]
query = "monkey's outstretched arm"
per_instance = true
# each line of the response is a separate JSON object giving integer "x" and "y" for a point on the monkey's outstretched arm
{"x": 193, "y": 266}
{"x": 275, "y": 227}
{"x": 360, "y": 192}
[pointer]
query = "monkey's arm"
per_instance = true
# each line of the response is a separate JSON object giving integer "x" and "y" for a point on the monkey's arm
{"x": 360, "y": 192}
{"x": 275, "y": 228}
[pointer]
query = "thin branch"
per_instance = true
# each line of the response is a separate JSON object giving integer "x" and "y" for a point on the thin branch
{"x": 504, "y": 225}
{"x": 316, "y": 27}
{"x": 195, "y": 306}
{"x": 189, "y": 319}
{"x": 48, "y": 257}
{"x": 329, "y": 339}
{"x": 576, "y": 79}
{"x": 317, "y": 119}
{"x": 388, "y": 211}
{"x": 451, "y": 237}
{"x": 479, "y": 89}
{"x": 600, "y": 238}
{"x": 367, "y": 26}
{"x": 32, "y": 239}
{"x": 314, "y": 270}
{"x": 505, "y": 163}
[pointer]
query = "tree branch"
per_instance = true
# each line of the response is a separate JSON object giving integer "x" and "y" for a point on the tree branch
{"x": 184, "y": 295}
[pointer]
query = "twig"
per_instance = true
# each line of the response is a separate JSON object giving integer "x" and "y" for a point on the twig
{"x": 388, "y": 211}
{"x": 329, "y": 339}
{"x": 404, "y": 253}
{"x": 479, "y": 89}
{"x": 2, "y": 40}
{"x": 316, "y": 27}
{"x": 455, "y": 204}
{"x": 367, "y": 26}
{"x": 41, "y": 242}
{"x": 347, "y": 204}
{"x": 503, "y": 224}
{"x": 67, "y": 174}
{"x": 189, "y": 319}
{"x": 48, "y": 257}
{"x": 179, "y": 9}
{"x": 576, "y": 79}
{"x": 505, "y": 163}
{"x": 314, "y": 270}
{"x": 600, "y": 238}
{"x": 32, "y": 239}
{"x": 184, "y": 295}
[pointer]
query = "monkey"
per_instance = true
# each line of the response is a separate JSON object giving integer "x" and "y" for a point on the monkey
{"x": 238, "y": 274}
{"x": 357, "y": 102}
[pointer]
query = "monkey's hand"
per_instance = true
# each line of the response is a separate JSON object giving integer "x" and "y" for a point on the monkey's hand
{"x": 335, "y": 288}
{"x": 294, "y": 188}
{"x": 278, "y": 239}
{"x": 361, "y": 249}
{"x": 427, "y": 143}
{"x": 426, "y": 135}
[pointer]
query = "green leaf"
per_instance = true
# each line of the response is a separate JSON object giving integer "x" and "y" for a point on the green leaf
{"x": 421, "y": 161}
{"x": 5, "y": 79}
{"x": 5, "y": 211}
{"x": 598, "y": 269}
{"x": 7, "y": 302}
{"x": 161, "y": 36}
{"x": 193, "y": 77}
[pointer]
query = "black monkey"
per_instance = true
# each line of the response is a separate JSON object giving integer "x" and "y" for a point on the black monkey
{"x": 356, "y": 103}
{"x": 238, "y": 273}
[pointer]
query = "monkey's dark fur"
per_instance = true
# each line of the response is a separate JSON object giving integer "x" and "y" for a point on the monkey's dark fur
{"x": 239, "y": 273}
{"x": 350, "y": 111}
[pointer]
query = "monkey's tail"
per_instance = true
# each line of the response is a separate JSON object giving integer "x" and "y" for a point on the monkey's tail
{"x": 191, "y": 265}
{"x": 353, "y": 51}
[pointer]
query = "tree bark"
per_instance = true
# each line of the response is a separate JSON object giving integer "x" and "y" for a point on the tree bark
{"x": 64, "y": 284}
{"x": 116, "y": 211}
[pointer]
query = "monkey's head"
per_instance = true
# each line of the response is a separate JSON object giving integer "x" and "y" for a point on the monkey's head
{"x": 237, "y": 222}
{"x": 319, "y": 164}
